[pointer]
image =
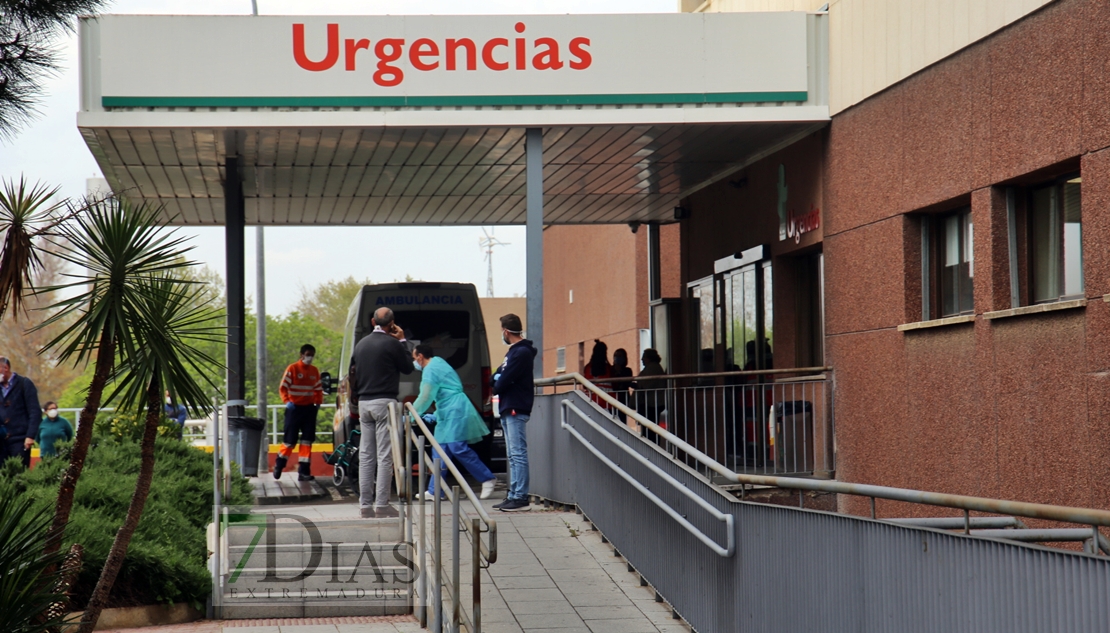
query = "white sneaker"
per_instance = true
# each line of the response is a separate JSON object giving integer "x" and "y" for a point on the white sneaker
{"x": 427, "y": 496}
{"x": 487, "y": 489}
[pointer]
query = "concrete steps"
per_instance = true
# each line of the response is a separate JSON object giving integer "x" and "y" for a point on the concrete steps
{"x": 280, "y": 567}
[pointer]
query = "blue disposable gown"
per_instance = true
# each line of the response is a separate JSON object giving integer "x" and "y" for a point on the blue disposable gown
{"x": 456, "y": 418}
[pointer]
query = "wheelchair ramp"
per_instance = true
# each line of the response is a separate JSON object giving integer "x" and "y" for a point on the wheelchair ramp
{"x": 731, "y": 565}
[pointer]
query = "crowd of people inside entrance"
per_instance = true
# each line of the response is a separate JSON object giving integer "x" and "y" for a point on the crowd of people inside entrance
{"x": 644, "y": 393}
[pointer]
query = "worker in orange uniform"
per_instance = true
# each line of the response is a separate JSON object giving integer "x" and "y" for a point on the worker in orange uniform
{"x": 302, "y": 393}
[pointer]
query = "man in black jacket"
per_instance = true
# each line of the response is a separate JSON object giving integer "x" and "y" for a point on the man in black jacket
{"x": 378, "y": 361}
{"x": 20, "y": 414}
{"x": 513, "y": 384}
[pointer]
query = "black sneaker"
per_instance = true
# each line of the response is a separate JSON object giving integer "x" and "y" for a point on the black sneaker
{"x": 497, "y": 506}
{"x": 516, "y": 505}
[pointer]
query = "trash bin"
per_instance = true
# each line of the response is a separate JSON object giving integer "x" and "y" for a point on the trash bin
{"x": 244, "y": 438}
{"x": 794, "y": 437}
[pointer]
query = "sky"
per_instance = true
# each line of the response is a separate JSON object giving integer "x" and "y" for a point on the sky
{"x": 51, "y": 150}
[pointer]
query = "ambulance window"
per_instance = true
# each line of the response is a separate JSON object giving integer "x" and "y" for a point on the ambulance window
{"x": 447, "y": 331}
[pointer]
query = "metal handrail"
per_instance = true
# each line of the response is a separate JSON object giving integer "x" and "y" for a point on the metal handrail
{"x": 698, "y": 456}
{"x": 489, "y": 552}
{"x": 480, "y": 551}
{"x": 721, "y": 374}
{"x": 727, "y": 519}
{"x": 1086, "y": 516}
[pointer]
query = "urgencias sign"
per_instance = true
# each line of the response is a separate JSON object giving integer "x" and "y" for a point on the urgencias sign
{"x": 281, "y": 61}
{"x": 452, "y": 54}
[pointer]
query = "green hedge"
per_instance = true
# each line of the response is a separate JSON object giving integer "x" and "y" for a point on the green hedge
{"x": 166, "y": 561}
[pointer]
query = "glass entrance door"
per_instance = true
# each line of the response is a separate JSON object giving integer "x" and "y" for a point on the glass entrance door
{"x": 748, "y": 318}
{"x": 703, "y": 307}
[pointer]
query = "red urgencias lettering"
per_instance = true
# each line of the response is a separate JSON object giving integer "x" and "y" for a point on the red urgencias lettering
{"x": 424, "y": 54}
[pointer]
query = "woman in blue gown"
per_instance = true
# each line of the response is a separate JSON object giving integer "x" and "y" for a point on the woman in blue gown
{"x": 458, "y": 424}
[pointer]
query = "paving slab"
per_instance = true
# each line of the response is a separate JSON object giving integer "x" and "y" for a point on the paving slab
{"x": 357, "y": 624}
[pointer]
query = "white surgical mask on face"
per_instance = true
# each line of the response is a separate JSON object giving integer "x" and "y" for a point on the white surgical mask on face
{"x": 51, "y": 413}
{"x": 308, "y": 359}
{"x": 169, "y": 400}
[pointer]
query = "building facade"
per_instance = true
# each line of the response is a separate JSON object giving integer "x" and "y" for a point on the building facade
{"x": 940, "y": 245}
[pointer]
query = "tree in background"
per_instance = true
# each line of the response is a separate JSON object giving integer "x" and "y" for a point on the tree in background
{"x": 284, "y": 337}
{"x": 29, "y": 31}
{"x": 329, "y": 302}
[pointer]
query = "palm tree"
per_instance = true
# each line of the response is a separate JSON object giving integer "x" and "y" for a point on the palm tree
{"x": 27, "y": 213}
{"x": 169, "y": 320}
{"x": 28, "y": 586}
{"x": 114, "y": 244}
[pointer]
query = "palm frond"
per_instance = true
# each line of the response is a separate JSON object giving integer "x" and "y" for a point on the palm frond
{"x": 25, "y": 210}
{"x": 113, "y": 244}
{"x": 27, "y": 584}
{"x": 168, "y": 321}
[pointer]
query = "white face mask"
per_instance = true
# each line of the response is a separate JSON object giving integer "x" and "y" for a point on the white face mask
{"x": 169, "y": 400}
{"x": 52, "y": 413}
{"x": 308, "y": 360}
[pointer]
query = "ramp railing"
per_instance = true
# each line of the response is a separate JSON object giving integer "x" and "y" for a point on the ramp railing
{"x": 768, "y": 422}
{"x": 801, "y": 569}
{"x": 436, "y": 574}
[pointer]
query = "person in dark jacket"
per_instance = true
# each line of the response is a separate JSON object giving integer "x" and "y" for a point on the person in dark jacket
{"x": 377, "y": 363}
{"x": 651, "y": 392}
{"x": 513, "y": 384}
{"x": 52, "y": 429}
{"x": 620, "y": 369}
{"x": 20, "y": 414}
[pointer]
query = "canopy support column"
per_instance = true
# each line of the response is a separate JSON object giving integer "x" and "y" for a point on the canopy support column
{"x": 234, "y": 227}
{"x": 533, "y": 161}
{"x": 260, "y": 343}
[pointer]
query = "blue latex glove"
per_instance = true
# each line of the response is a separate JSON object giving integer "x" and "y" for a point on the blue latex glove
{"x": 496, "y": 376}
{"x": 289, "y": 405}
{"x": 429, "y": 418}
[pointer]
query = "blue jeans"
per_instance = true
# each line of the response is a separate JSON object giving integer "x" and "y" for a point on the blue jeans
{"x": 463, "y": 455}
{"x": 516, "y": 445}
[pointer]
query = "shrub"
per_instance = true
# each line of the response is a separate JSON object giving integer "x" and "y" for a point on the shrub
{"x": 130, "y": 425}
{"x": 26, "y": 586}
{"x": 166, "y": 561}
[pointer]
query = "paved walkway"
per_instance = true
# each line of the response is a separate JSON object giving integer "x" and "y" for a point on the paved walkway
{"x": 554, "y": 575}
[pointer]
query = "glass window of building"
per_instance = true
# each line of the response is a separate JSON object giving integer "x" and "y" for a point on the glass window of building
{"x": 1056, "y": 241}
{"x": 948, "y": 265}
{"x": 704, "y": 321}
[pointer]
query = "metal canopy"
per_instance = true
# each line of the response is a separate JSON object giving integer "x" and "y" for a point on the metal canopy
{"x": 415, "y": 175}
{"x": 626, "y": 135}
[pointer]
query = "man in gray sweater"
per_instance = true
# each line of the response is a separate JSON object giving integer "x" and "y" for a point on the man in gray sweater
{"x": 377, "y": 363}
